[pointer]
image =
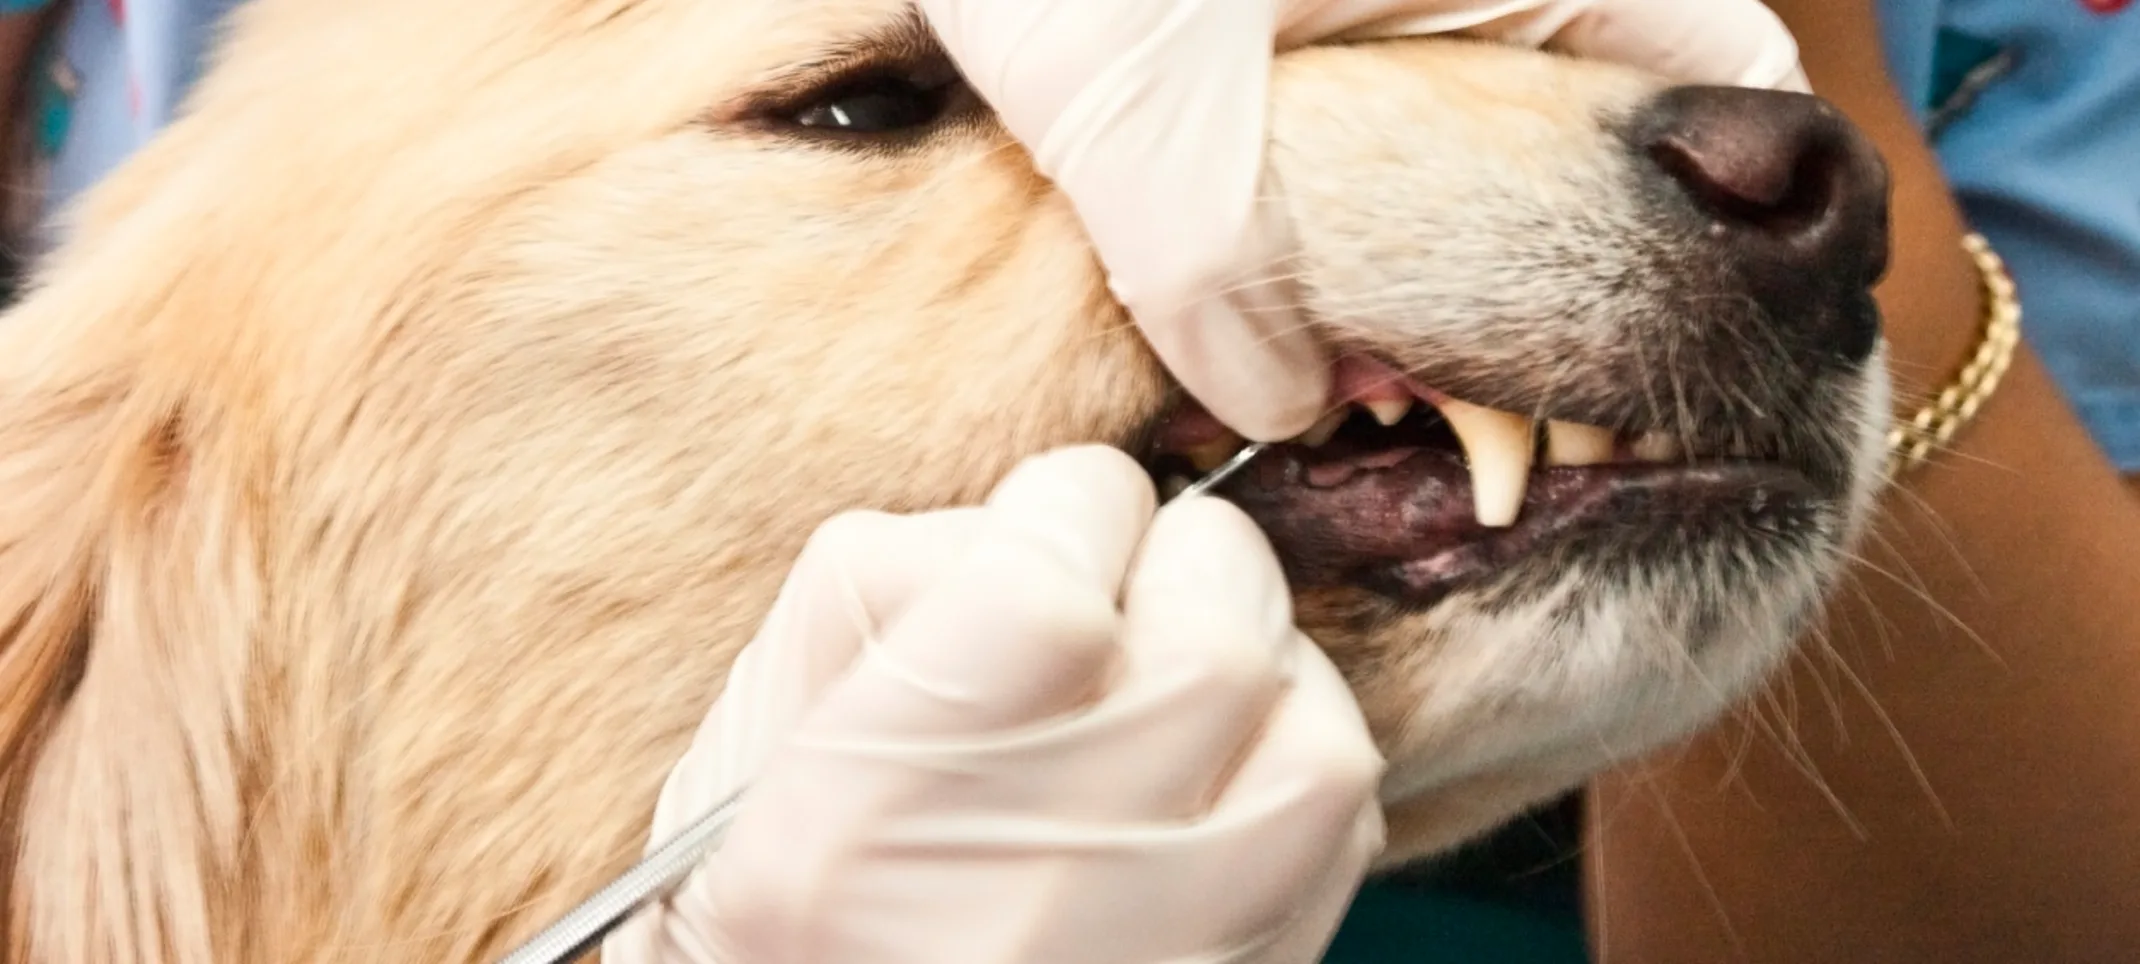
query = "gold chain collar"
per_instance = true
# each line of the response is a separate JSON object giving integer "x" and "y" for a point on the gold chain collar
{"x": 1911, "y": 442}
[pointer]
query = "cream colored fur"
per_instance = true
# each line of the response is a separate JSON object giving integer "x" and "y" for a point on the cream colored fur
{"x": 394, "y": 460}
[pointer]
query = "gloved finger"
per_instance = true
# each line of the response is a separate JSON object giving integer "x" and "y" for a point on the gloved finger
{"x": 862, "y": 569}
{"x": 1735, "y": 42}
{"x": 1312, "y": 21}
{"x": 1023, "y": 627}
{"x": 1150, "y": 117}
{"x": 1246, "y": 354}
{"x": 1207, "y": 640}
{"x": 1164, "y": 162}
{"x": 1738, "y": 42}
{"x": 1308, "y": 781}
{"x": 1298, "y": 820}
{"x": 1307, "y": 934}
{"x": 857, "y": 573}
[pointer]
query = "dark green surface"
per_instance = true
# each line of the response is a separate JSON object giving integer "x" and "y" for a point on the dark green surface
{"x": 1514, "y": 898}
{"x": 1956, "y": 55}
{"x": 1394, "y": 924}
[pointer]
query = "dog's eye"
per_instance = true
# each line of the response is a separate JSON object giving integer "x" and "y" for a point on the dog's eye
{"x": 876, "y": 105}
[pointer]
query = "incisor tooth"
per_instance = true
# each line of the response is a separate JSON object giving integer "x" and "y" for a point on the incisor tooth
{"x": 1498, "y": 445}
{"x": 1573, "y": 443}
{"x": 1214, "y": 453}
{"x": 1390, "y": 411}
{"x": 1657, "y": 447}
{"x": 1321, "y": 432}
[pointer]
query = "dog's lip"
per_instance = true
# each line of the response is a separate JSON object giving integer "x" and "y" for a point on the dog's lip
{"x": 1404, "y": 527}
{"x": 1500, "y": 446}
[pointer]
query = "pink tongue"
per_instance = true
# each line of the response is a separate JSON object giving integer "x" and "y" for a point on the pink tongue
{"x": 1324, "y": 475}
{"x": 1350, "y": 511}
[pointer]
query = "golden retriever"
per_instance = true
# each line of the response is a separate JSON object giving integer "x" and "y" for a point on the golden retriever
{"x": 398, "y": 449}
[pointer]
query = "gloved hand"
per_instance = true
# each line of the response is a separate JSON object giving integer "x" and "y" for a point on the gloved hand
{"x": 1053, "y": 730}
{"x": 1150, "y": 116}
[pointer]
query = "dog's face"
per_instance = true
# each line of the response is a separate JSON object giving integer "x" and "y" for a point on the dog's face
{"x": 533, "y": 339}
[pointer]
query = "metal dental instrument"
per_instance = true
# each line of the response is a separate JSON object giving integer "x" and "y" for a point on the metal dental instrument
{"x": 1223, "y": 472}
{"x": 578, "y": 932}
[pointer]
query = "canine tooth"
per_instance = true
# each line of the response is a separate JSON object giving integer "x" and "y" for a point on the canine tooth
{"x": 1212, "y": 454}
{"x": 1321, "y": 431}
{"x": 1390, "y": 411}
{"x": 1573, "y": 443}
{"x": 1657, "y": 447}
{"x": 1498, "y": 445}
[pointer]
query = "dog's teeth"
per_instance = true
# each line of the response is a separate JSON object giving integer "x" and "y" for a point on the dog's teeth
{"x": 1657, "y": 447}
{"x": 1172, "y": 486}
{"x": 1322, "y": 431}
{"x": 1498, "y": 445}
{"x": 1212, "y": 454}
{"x": 1389, "y": 411}
{"x": 1573, "y": 443}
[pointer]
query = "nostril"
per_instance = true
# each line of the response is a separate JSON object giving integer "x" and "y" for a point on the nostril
{"x": 1772, "y": 186}
{"x": 1783, "y": 196}
{"x": 1779, "y": 179}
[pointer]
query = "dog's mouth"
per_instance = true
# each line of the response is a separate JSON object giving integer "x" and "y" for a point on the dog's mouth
{"x": 1412, "y": 494}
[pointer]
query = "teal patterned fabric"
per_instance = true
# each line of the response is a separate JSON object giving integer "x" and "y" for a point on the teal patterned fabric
{"x": 1514, "y": 898}
{"x": 1396, "y": 924}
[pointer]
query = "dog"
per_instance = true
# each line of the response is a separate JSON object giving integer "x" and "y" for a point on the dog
{"x": 400, "y": 446}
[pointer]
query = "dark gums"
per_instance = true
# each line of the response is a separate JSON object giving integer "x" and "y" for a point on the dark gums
{"x": 1409, "y": 531}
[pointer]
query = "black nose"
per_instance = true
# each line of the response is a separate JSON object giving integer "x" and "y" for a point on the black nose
{"x": 1795, "y": 198}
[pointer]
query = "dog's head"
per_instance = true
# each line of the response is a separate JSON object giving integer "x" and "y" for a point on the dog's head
{"x": 444, "y": 398}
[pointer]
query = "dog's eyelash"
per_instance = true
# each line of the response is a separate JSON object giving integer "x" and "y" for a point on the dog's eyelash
{"x": 905, "y": 51}
{"x": 817, "y": 83}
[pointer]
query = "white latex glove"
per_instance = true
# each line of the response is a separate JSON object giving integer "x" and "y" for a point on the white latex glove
{"x": 1016, "y": 735}
{"x": 1150, "y": 116}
